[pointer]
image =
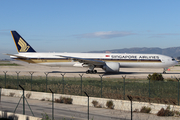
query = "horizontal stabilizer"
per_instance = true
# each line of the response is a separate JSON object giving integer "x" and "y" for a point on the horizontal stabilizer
{"x": 18, "y": 56}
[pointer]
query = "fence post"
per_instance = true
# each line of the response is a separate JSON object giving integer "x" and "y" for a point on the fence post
{"x": 31, "y": 78}
{"x": 101, "y": 84}
{"x": 81, "y": 83}
{"x": 178, "y": 88}
{"x": 63, "y": 81}
{"x": 17, "y": 78}
{"x": 52, "y": 104}
{"x": 5, "y": 78}
{"x": 124, "y": 77}
{"x": 130, "y": 98}
{"x": 178, "y": 92}
{"x": 0, "y": 94}
{"x": 46, "y": 73}
{"x": 149, "y": 78}
{"x": 88, "y": 103}
{"x": 23, "y": 100}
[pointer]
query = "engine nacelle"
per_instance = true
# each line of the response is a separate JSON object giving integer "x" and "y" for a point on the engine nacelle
{"x": 111, "y": 67}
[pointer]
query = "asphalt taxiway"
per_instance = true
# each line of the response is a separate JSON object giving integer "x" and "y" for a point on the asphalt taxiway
{"x": 72, "y": 112}
{"x": 133, "y": 73}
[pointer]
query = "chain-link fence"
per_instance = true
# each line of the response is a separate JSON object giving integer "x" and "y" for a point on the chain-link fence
{"x": 114, "y": 88}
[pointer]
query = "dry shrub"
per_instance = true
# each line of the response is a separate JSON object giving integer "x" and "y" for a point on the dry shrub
{"x": 11, "y": 94}
{"x": 177, "y": 113}
{"x": 136, "y": 110}
{"x": 60, "y": 100}
{"x": 165, "y": 112}
{"x": 28, "y": 95}
{"x": 68, "y": 100}
{"x": 110, "y": 104}
{"x": 172, "y": 101}
{"x": 155, "y": 76}
{"x": 138, "y": 98}
{"x": 42, "y": 99}
{"x": 96, "y": 104}
{"x": 64, "y": 100}
{"x": 145, "y": 109}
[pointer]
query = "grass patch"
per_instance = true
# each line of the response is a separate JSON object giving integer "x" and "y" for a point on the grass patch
{"x": 8, "y": 63}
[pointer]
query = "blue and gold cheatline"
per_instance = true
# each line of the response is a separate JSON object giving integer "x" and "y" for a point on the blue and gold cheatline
{"x": 21, "y": 44}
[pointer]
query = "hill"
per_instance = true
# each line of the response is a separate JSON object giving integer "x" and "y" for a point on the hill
{"x": 171, "y": 51}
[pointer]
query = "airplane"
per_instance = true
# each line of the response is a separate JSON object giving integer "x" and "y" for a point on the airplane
{"x": 109, "y": 62}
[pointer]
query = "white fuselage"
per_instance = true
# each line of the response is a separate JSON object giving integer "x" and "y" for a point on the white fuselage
{"x": 125, "y": 60}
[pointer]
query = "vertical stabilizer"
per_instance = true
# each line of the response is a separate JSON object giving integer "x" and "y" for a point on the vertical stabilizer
{"x": 21, "y": 44}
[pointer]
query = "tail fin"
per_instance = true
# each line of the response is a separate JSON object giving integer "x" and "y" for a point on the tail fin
{"x": 21, "y": 44}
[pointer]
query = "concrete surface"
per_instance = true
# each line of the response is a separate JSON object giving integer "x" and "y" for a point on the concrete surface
{"x": 17, "y": 116}
{"x": 73, "y": 112}
{"x": 120, "y": 105}
{"x": 134, "y": 73}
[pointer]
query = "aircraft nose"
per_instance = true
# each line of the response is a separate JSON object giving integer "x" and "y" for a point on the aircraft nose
{"x": 175, "y": 63}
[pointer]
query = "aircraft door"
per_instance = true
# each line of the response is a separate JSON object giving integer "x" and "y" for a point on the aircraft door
{"x": 162, "y": 60}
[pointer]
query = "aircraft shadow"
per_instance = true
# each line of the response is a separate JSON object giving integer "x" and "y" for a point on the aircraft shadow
{"x": 119, "y": 73}
{"x": 66, "y": 72}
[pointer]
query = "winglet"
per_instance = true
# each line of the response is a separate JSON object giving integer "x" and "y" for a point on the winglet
{"x": 21, "y": 44}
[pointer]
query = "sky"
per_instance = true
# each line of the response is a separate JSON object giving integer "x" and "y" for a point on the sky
{"x": 89, "y": 25}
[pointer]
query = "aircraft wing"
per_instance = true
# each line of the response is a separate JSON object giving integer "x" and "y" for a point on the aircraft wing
{"x": 85, "y": 61}
{"x": 18, "y": 56}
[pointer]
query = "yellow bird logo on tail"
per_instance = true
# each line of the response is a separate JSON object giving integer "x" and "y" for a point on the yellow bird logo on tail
{"x": 24, "y": 47}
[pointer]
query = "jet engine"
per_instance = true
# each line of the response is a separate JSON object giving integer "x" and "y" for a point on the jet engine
{"x": 111, "y": 67}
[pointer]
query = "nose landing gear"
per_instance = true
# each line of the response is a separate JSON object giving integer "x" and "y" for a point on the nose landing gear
{"x": 164, "y": 70}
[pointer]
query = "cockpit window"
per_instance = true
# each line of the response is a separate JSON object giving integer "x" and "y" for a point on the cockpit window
{"x": 173, "y": 59}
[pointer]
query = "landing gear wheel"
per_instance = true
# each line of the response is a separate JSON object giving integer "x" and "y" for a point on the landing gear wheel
{"x": 91, "y": 71}
{"x": 88, "y": 71}
{"x": 164, "y": 72}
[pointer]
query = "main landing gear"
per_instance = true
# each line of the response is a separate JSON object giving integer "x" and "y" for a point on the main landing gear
{"x": 91, "y": 71}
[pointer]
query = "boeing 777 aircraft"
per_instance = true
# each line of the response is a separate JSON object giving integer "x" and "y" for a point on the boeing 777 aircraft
{"x": 109, "y": 62}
